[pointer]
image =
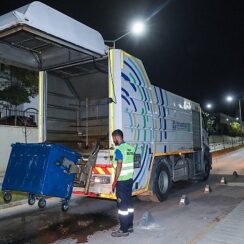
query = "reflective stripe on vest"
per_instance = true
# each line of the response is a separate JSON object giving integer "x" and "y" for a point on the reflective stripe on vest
{"x": 127, "y": 162}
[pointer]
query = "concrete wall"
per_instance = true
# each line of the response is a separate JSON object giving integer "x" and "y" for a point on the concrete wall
{"x": 10, "y": 135}
{"x": 222, "y": 142}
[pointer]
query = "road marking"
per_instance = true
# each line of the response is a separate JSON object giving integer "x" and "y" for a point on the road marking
{"x": 229, "y": 230}
{"x": 204, "y": 231}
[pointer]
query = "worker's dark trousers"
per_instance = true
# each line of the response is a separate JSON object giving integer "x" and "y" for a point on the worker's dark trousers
{"x": 125, "y": 204}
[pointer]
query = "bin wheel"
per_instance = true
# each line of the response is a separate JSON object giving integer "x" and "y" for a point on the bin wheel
{"x": 42, "y": 203}
{"x": 7, "y": 197}
{"x": 31, "y": 199}
{"x": 65, "y": 206}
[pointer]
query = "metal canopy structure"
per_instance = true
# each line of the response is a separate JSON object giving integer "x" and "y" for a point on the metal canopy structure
{"x": 84, "y": 68}
{"x": 41, "y": 38}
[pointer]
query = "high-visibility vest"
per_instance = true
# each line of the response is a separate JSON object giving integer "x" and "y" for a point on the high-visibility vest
{"x": 127, "y": 162}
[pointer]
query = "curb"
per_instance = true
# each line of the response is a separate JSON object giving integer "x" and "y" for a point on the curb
{"x": 13, "y": 204}
{"x": 220, "y": 153}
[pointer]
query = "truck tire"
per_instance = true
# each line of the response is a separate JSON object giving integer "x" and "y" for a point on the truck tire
{"x": 162, "y": 183}
{"x": 207, "y": 170}
{"x": 190, "y": 169}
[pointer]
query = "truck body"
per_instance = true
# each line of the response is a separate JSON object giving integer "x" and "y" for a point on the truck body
{"x": 87, "y": 90}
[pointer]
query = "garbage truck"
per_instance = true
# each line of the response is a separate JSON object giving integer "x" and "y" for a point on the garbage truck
{"x": 87, "y": 90}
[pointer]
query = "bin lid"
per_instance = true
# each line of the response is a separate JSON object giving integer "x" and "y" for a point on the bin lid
{"x": 39, "y": 37}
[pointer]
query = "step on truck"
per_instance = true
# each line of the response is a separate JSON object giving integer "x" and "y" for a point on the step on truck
{"x": 87, "y": 90}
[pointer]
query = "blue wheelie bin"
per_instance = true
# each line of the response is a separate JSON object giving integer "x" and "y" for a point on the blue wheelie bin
{"x": 41, "y": 170}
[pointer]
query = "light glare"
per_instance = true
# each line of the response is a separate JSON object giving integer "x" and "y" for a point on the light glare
{"x": 229, "y": 98}
{"x": 138, "y": 27}
{"x": 209, "y": 106}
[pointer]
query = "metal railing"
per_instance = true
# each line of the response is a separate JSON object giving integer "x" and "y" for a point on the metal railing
{"x": 14, "y": 117}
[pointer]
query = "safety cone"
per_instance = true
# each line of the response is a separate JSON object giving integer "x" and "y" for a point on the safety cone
{"x": 223, "y": 181}
{"x": 207, "y": 189}
{"x": 184, "y": 200}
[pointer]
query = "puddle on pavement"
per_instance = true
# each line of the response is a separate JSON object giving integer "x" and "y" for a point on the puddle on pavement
{"x": 75, "y": 228}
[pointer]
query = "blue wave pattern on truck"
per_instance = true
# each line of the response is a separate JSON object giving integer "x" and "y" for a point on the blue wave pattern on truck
{"x": 154, "y": 120}
{"x": 138, "y": 113}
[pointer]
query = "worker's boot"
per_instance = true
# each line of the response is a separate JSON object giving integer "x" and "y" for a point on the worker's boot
{"x": 119, "y": 233}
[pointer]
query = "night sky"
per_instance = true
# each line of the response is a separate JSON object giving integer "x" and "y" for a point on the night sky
{"x": 194, "y": 48}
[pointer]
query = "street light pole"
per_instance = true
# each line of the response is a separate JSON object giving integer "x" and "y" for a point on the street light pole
{"x": 230, "y": 99}
{"x": 137, "y": 29}
{"x": 117, "y": 39}
{"x": 240, "y": 115}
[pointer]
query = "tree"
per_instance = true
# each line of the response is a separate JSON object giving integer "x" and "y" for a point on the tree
{"x": 24, "y": 85}
{"x": 211, "y": 123}
{"x": 235, "y": 129}
{"x": 15, "y": 95}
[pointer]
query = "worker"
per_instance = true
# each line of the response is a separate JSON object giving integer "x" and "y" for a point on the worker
{"x": 123, "y": 181}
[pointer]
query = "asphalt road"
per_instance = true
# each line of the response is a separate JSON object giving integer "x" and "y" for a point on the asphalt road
{"x": 227, "y": 163}
{"x": 92, "y": 220}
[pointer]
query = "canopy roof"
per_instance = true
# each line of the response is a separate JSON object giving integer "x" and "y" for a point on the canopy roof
{"x": 39, "y": 37}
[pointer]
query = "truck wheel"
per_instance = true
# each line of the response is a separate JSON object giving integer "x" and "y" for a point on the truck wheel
{"x": 7, "y": 197}
{"x": 162, "y": 182}
{"x": 42, "y": 203}
{"x": 31, "y": 199}
{"x": 207, "y": 170}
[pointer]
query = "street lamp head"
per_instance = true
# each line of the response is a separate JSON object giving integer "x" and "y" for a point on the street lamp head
{"x": 229, "y": 98}
{"x": 209, "y": 106}
{"x": 138, "y": 27}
